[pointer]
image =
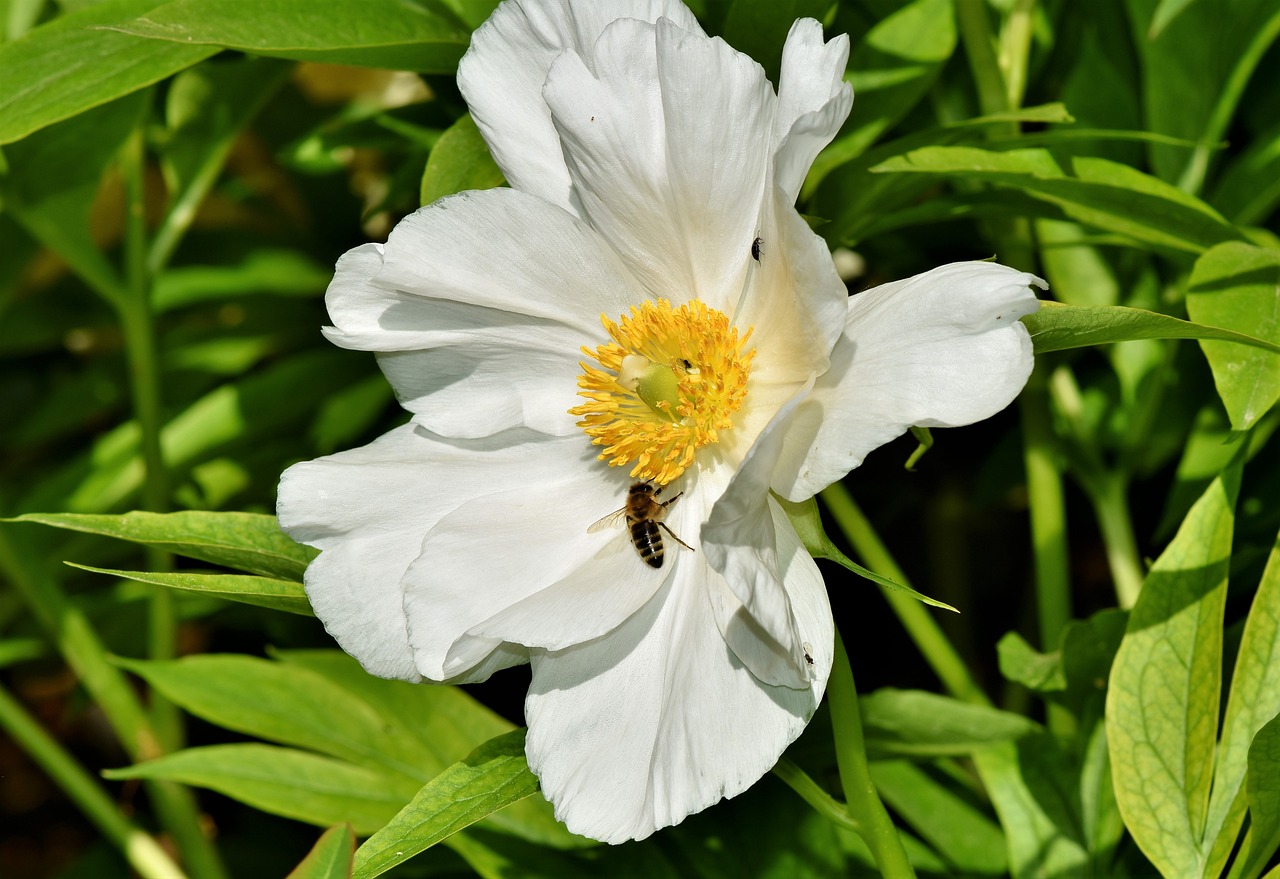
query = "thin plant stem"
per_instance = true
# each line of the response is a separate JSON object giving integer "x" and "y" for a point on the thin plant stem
{"x": 927, "y": 635}
{"x": 78, "y": 643}
{"x": 1015, "y": 48}
{"x": 979, "y": 47}
{"x": 865, "y": 808}
{"x": 1110, "y": 497}
{"x": 823, "y": 803}
{"x": 143, "y": 853}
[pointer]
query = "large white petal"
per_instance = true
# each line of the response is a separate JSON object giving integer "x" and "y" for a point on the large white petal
{"x": 941, "y": 349}
{"x": 659, "y": 719}
{"x": 813, "y": 101}
{"x": 502, "y": 73}
{"x": 368, "y": 510}
{"x": 485, "y": 299}
{"x": 524, "y": 531}
{"x": 667, "y": 141}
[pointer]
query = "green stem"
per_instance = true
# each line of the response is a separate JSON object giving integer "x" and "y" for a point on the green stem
{"x": 1015, "y": 48}
{"x": 927, "y": 635}
{"x": 809, "y": 790}
{"x": 1110, "y": 497}
{"x": 865, "y": 808}
{"x": 979, "y": 47}
{"x": 72, "y": 632}
{"x": 142, "y": 852}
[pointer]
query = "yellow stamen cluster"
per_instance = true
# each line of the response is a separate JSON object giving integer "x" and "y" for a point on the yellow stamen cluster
{"x": 666, "y": 385}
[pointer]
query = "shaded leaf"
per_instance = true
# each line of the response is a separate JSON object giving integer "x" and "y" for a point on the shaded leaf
{"x": 286, "y": 595}
{"x": 1023, "y": 664}
{"x": 1058, "y": 327}
{"x": 1263, "y": 792}
{"x": 460, "y": 160}
{"x": 919, "y": 723}
{"x": 330, "y": 858}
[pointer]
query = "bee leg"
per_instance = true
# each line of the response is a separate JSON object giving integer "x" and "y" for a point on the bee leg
{"x": 663, "y": 526}
{"x": 672, "y": 501}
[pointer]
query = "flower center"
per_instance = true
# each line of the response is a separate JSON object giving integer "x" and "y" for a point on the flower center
{"x": 669, "y": 381}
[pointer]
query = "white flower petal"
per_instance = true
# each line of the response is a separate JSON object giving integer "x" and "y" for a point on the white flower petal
{"x": 658, "y": 172}
{"x": 502, "y": 73}
{"x": 487, "y": 298}
{"x": 741, "y": 543}
{"x": 635, "y": 731}
{"x": 522, "y": 532}
{"x": 813, "y": 101}
{"x": 941, "y": 349}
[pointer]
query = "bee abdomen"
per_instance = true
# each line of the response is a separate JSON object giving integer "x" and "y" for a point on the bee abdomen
{"x": 648, "y": 542}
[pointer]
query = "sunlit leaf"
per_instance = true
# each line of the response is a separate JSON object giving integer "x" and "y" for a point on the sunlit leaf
{"x": 286, "y": 595}
{"x": 919, "y": 723}
{"x": 330, "y": 858}
{"x": 1263, "y": 793}
{"x": 1058, "y": 327}
{"x": 460, "y": 160}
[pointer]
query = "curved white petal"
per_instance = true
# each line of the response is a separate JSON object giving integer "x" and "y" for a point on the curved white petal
{"x": 813, "y": 101}
{"x": 666, "y": 135}
{"x": 486, "y": 299}
{"x": 523, "y": 532}
{"x": 502, "y": 73}
{"x": 941, "y": 349}
{"x": 659, "y": 720}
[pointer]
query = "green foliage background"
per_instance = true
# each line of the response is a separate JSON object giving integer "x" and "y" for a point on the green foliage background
{"x": 176, "y": 181}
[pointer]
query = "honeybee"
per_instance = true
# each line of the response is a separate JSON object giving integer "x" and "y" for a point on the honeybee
{"x": 644, "y": 514}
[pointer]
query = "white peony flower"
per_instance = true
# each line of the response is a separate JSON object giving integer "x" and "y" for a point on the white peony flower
{"x": 643, "y": 305}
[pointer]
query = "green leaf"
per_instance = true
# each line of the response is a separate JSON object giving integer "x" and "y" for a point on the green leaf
{"x": 1237, "y": 287}
{"x": 266, "y": 271}
{"x": 282, "y": 781}
{"x": 919, "y": 723}
{"x": 1263, "y": 792}
{"x": 760, "y": 29}
{"x": 286, "y": 595}
{"x": 1252, "y": 704}
{"x": 1058, "y": 327}
{"x": 1023, "y": 664}
{"x": 891, "y": 68}
{"x": 807, "y": 521}
{"x": 69, "y": 65}
{"x": 1166, "y": 12}
{"x": 1104, "y": 194}
{"x": 248, "y": 541}
{"x": 330, "y": 858}
{"x": 966, "y": 838}
{"x": 490, "y": 777}
{"x": 459, "y": 161}
{"x": 1162, "y": 702}
{"x": 372, "y": 33}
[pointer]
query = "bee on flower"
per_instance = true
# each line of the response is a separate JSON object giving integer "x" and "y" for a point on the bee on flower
{"x": 643, "y": 305}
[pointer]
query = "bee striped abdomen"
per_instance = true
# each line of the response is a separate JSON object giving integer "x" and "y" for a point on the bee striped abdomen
{"x": 648, "y": 541}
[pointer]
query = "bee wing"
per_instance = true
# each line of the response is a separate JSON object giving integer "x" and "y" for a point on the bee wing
{"x": 614, "y": 518}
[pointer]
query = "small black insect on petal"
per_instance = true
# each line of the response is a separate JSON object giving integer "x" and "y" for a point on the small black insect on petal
{"x": 757, "y": 248}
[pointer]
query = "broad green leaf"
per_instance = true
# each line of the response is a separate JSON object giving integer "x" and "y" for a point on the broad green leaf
{"x": 1023, "y": 664}
{"x": 1029, "y": 784}
{"x": 70, "y": 65}
{"x": 1162, "y": 702}
{"x": 278, "y": 272}
{"x": 1263, "y": 792}
{"x": 472, "y": 12}
{"x": 282, "y": 781}
{"x": 1058, "y": 327}
{"x": 891, "y": 68}
{"x": 1103, "y": 194}
{"x": 1237, "y": 287}
{"x": 447, "y": 724}
{"x": 919, "y": 723}
{"x": 330, "y": 858}
{"x": 490, "y": 777}
{"x": 408, "y": 35}
{"x": 286, "y": 595}
{"x": 460, "y": 160}
{"x": 53, "y": 179}
{"x": 961, "y": 833}
{"x": 1253, "y": 702}
{"x": 760, "y": 29}
{"x": 248, "y": 541}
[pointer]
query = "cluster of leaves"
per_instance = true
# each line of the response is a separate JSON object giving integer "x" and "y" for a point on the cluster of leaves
{"x": 176, "y": 179}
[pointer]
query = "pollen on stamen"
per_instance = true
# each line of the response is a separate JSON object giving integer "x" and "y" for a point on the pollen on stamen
{"x": 667, "y": 384}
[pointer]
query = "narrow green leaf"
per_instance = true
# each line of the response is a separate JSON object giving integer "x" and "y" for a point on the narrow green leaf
{"x": 1237, "y": 287}
{"x": 248, "y": 541}
{"x": 282, "y": 781}
{"x": 1166, "y": 12}
{"x": 966, "y": 838}
{"x": 373, "y": 33}
{"x": 266, "y": 271}
{"x": 1263, "y": 792}
{"x": 1252, "y": 704}
{"x": 460, "y": 160}
{"x": 331, "y": 857}
{"x": 286, "y": 595}
{"x": 1058, "y": 327}
{"x": 919, "y": 723}
{"x": 69, "y": 65}
{"x": 1162, "y": 702}
{"x": 490, "y": 777}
